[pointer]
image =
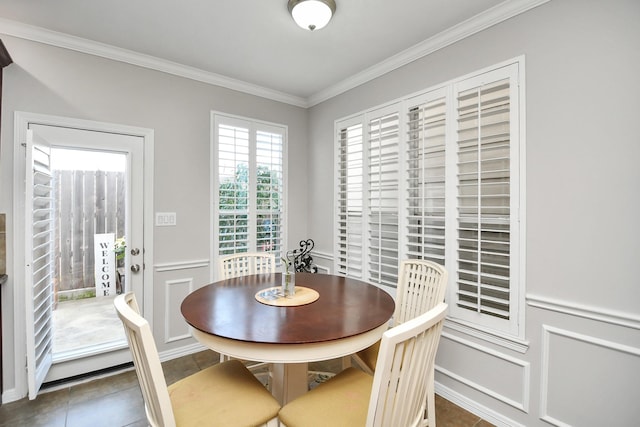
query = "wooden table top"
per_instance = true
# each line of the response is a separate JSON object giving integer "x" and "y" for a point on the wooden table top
{"x": 346, "y": 307}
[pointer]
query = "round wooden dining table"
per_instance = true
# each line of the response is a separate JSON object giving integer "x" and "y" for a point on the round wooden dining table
{"x": 347, "y": 315}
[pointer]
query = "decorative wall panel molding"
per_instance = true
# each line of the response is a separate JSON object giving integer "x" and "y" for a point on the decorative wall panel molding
{"x": 175, "y": 327}
{"x": 483, "y": 380}
{"x": 324, "y": 256}
{"x": 587, "y": 380}
{"x": 521, "y": 346}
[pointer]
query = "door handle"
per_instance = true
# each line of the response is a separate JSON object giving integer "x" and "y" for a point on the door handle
{"x": 135, "y": 268}
{"x": 135, "y": 251}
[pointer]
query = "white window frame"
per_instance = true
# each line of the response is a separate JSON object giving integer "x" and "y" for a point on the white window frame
{"x": 507, "y": 332}
{"x": 253, "y": 126}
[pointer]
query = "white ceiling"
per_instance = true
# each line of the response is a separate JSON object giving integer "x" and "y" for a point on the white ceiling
{"x": 254, "y": 45}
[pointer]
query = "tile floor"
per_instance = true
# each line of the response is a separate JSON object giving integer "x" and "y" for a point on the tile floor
{"x": 116, "y": 401}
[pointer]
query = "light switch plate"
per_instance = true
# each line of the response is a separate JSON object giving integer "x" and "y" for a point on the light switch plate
{"x": 165, "y": 219}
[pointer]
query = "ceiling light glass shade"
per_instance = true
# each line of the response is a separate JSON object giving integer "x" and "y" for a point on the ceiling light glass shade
{"x": 312, "y": 14}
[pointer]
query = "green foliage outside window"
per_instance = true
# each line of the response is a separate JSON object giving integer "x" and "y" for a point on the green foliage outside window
{"x": 234, "y": 206}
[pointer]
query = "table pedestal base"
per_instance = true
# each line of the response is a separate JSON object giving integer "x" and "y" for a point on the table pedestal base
{"x": 289, "y": 381}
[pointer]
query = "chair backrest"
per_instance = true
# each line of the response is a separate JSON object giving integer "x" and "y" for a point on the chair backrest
{"x": 146, "y": 361}
{"x": 421, "y": 286}
{"x": 405, "y": 362}
{"x": 244, "y": 264}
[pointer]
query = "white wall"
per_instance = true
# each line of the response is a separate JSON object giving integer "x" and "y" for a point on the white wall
{"x": 582, "y": 362}
{"x": 54, "y": 81}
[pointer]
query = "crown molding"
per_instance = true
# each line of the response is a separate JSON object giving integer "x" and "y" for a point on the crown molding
{"x": 486, "y": 19}
{"x": 78, "y": 44}
{"x": 482, "y": 21}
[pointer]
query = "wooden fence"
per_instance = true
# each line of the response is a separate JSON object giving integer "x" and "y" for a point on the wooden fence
{"x": 87, "y": 203}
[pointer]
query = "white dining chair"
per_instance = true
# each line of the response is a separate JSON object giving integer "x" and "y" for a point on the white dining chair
{"x": 421, "y": 286}
{"x": 244, "y": 264}
{"x": 395, "y": 394}
{"x": 225, "y": 394}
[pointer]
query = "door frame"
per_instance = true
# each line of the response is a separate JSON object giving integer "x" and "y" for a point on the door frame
{"x": 21, "y": 124}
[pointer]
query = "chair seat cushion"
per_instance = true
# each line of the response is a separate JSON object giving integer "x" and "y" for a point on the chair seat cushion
{"x": 226, "y": 394}
{"x": 341, "y": 401}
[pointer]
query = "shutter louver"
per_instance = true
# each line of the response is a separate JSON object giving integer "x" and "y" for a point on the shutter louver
{"x": 350, "y": 201}
{"x": 425, "y": 148}
{"x": 484, "y": 217}
{"x": 383, "y": 182}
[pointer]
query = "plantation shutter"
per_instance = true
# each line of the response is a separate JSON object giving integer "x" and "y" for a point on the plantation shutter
{"x": 383, "y": 195}
{"x": 486, "y": 210}
{"x": 443, "y": 183}
{"x": 425, "y": 175}
{"x": 249, "y": 179}
{"x": 269, "y": 190}
{"x": 39, "y": 268}
{"x": 233, "y": 188}
{"x": 350, "y": 187}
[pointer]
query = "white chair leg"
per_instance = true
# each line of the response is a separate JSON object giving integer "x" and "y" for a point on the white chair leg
{"x": 346, "y": 362}
{"x": 360, "y": 364}
{"x": 430, "y": 416}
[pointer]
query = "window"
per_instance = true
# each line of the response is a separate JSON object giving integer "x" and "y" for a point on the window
{"x": 367, "y": 197}
{"x": 443, "y": 182}
{"x": 248, "y": 186}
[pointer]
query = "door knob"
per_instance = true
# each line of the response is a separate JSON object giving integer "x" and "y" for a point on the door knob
{"x": 135, "y": 268}
{"x": 135, "y": 251}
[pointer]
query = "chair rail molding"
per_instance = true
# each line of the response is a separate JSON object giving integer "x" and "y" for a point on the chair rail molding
{"x": 181, "y": 265}
{"x": 613, "y": 317}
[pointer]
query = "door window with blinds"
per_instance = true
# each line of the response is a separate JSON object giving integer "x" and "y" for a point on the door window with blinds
{"x": 438, "y": 176}
{"x": 248, "y": 186}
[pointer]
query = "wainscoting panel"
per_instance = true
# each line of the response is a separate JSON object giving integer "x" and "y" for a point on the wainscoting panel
{"x": 175, "y": 328}
{"x": 586, "y": 379}
{"x": 476, "y": 366}
{"x": 323, "y": 261}
{"x": 174, "y": 281}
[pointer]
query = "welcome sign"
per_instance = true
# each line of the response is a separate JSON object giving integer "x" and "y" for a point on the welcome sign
{"x": 105, "y": 264}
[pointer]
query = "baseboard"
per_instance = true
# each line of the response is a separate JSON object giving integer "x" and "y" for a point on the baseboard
{"x": 10, "y": 395}
{"x": 181, "y": 351}
{"x": 475, "y": 408}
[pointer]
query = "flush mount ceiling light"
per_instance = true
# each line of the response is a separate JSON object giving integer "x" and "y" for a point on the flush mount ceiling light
{"x": 312, "y": 14}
